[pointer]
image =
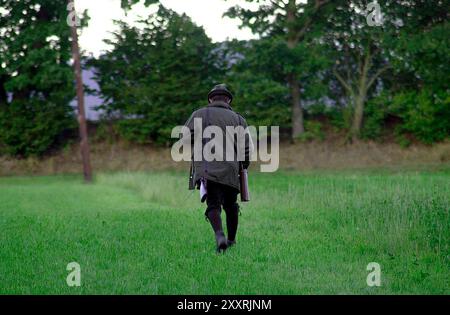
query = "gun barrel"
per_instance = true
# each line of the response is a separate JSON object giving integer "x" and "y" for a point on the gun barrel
{"x": 245, "y": 195}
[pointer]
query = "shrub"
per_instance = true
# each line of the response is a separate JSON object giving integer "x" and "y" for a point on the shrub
{"x": 425, "y": 114}
{"x": 313, "y": 131}
{"x": 374, "y": 115}
{"x": 32, "y": 129}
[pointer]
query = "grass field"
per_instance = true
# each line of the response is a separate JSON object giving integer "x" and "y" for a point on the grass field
{"x": 303, "y": 233}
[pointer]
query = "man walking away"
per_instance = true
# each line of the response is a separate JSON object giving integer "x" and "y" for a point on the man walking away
{"x": 221, "y": 178}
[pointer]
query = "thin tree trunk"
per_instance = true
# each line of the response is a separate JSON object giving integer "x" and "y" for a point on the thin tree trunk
{"x": 297, "y": 110}
{"x": 360, "y": 98}
{"x": 84, "y": 143}
{"x": 358, "y": 117}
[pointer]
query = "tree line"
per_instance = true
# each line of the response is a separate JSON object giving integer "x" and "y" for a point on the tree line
{"x": 311, "y": 58}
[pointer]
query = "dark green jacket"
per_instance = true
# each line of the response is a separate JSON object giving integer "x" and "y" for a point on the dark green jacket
{"x": 225, "y": 172}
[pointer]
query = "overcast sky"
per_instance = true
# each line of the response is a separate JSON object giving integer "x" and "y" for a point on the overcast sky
{"x": 207, "y": 13}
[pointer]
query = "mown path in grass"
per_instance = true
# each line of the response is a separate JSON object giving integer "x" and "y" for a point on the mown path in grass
{"x": 310, "y": 233}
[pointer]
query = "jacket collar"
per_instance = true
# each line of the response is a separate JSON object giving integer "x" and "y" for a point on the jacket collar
{"x": 220, "y": 104}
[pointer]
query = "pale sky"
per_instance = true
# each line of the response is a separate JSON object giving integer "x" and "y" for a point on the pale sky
{"x": 207, "y": 13}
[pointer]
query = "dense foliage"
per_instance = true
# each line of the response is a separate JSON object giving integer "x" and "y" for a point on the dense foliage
{"x": 156, "y": 75}
{"x": 312, "y": 58}
{"x": 293, "y": 27}
{"x": 35, "y": 74}
{"x": 423, "y": 102}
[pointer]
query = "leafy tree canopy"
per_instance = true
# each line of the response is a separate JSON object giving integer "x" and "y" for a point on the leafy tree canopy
{"x": 156, "y": 74}
{"x": 36, "y": 75}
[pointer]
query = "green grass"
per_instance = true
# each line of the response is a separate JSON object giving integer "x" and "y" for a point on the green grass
{"x": 303, "y": 233}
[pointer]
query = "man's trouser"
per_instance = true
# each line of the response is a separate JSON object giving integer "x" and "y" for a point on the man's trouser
{"x": 219, "y": 196}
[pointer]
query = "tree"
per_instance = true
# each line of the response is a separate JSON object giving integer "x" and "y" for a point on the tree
{"x": 259, "y": 83}
{"x": 259, "y": 96}
{"x": 84, "y": 143}
{"x": 295, "y": 23}
{"x": 421, "y": 55}
{"x": 364, "y": 53}
{"x": 422, "y": 48}
{"x": 84, "y": 140}
{"x": 36, "y": 77}
{"x": 156, "y": 75}
{"x": 361, "y": 57}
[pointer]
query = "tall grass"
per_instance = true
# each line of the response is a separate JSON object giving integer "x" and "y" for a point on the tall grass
{"x": 302, "y": 233}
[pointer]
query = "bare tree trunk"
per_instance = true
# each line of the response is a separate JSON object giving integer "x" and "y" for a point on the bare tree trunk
{"x": 358, "y": 116}
{"x": 360, "y": 97}
{"x": 84, "y": 143}
{"x": 297, "y": 110}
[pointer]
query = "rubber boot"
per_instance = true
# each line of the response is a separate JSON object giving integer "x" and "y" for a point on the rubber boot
{"x": 232, "y": 213}
{"x": 222, "y": 243}
{"x": 216, "y": 223}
